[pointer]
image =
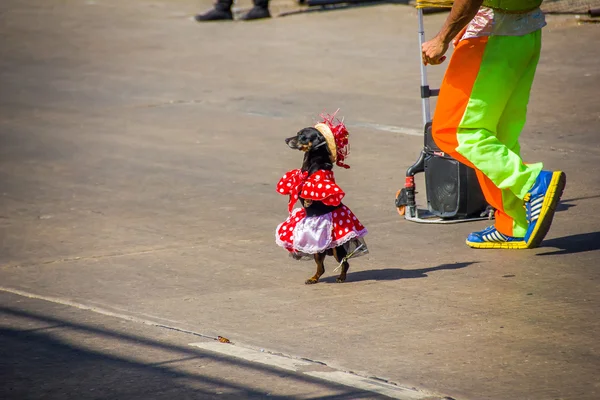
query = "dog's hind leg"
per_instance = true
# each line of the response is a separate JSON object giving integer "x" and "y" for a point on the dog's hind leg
{"x": 319, "y": 259}
{"x": 339, "y": 253}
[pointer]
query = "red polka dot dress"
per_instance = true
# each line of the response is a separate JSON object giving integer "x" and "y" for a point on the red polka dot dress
{"x": 304, "y": 235}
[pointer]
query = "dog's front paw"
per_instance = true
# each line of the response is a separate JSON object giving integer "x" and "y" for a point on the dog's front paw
{"x": 311, "y": 281}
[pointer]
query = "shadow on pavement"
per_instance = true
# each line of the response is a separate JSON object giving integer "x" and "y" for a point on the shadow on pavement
{"x": 392, "y": 274}
{"x": 37, "y": 364}
{"x": 573, "y": 244}
{"x": 564, "y": 204}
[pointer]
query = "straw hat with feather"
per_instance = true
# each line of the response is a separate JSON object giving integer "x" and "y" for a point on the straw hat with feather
{"x": 336, "y": 136}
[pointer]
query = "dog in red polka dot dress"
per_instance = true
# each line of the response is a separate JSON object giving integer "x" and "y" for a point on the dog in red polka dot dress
{"x": 323, "y": 225}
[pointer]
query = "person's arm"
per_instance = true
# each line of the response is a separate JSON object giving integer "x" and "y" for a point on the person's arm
{"x": 462, "y": 12}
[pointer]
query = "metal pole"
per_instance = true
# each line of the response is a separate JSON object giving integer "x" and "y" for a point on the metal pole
{"x": 424, "y": 99}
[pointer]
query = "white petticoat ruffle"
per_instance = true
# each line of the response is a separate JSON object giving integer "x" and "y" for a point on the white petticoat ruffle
{"x": 313, "y": 234}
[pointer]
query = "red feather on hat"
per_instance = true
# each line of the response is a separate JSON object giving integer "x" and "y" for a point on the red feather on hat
{"x": 341, "y": 135}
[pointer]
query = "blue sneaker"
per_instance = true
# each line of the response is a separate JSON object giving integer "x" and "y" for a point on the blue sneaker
{"x": 490, "y": 238}
{"x": 540, "y": 203}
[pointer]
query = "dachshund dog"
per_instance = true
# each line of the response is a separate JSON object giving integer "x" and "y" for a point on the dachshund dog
{"x": 317, "y": 158}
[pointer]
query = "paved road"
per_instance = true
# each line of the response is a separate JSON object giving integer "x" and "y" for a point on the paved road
{"x": 138, "y": 157}
{"x": 58, "y": 351}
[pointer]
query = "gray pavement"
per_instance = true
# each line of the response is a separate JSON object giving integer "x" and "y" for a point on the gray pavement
{"x": 138, "y": 157}
{"x": 53, "y": 351}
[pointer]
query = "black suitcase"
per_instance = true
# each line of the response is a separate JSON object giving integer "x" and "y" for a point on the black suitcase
{"x": 452, "y": 188}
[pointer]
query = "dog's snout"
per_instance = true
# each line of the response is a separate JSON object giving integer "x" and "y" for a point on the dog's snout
{"x": 292, "y": 142}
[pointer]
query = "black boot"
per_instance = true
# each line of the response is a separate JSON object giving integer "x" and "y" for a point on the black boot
{"x": 222, "y": 11}
{"x": 215, "y": 14}
{"x": 257, "y": 12}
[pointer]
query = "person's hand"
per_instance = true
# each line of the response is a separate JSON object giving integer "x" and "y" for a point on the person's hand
{"x": 433, "y": 51}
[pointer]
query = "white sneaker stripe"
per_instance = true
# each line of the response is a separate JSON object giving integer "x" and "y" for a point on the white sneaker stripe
{"x": 538, "y": 200}
{"x": 494, "y": 237}
{"x": 535, "y": 212}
